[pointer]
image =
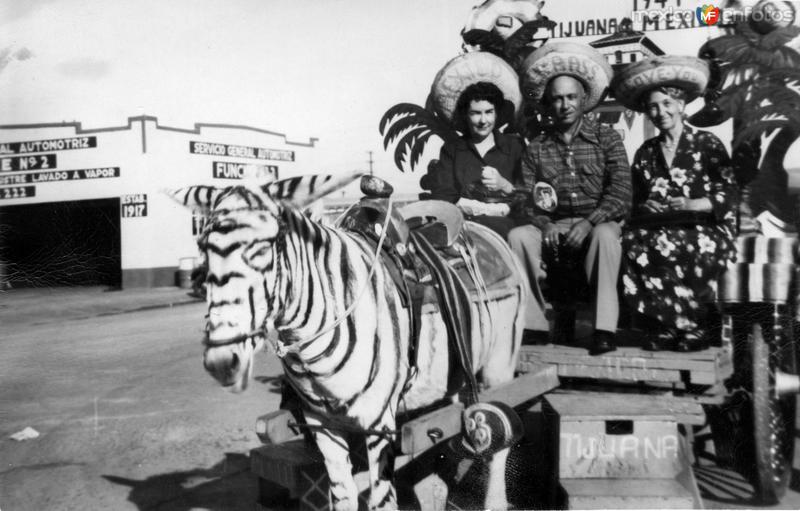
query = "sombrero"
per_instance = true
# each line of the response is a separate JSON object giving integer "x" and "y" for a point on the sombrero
{"x": 685, "y": 72}
{"x": 580, "y": 61}
{"x": 503, "y": 16}
{"x": 463, "y": 71}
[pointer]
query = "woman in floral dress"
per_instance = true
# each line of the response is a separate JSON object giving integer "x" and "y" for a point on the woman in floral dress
{"x": 671, "y": 270}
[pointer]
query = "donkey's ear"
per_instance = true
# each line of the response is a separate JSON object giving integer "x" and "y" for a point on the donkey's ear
{"x": 303, "y": 190}
{"x": 197, "y": 198}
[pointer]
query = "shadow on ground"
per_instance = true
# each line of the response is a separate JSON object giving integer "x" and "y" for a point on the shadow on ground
{"x": 228, "y": 485}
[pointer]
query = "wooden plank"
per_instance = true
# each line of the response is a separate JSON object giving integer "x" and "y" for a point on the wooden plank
{"x": 706, "y": 360}
{"x": 582, "y": 404}
{"x": 422, "y": 433}
{"x": 415, "y": 435}
{"x": 536, "y": 382}
{"x": 618, "y": 373}
{"x": 707, "y": 367}
{"x": 626, "y": 494}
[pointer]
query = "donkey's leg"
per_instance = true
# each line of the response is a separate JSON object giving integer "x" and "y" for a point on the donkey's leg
{"x": 380, "y": 455}
{"x": 334, "y": 449}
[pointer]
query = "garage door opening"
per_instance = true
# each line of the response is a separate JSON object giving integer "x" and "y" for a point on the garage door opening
{"x": 73, "y": 243}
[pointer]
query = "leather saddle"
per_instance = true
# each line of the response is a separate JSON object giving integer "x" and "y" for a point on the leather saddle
{"x": 435, "y": 259}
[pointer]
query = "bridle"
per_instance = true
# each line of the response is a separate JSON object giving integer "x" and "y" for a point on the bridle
{"x": 282, "y": 349}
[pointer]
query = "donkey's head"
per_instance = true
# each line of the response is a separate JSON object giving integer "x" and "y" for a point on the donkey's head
{"x": 244, "y": 233}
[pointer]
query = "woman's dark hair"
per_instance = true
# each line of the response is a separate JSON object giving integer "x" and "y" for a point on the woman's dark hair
{"x": 673, "y": 92}
{"x": 479, "y": 91}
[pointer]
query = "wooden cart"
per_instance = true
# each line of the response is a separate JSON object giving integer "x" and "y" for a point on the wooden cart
{"x": 744, "y": 387}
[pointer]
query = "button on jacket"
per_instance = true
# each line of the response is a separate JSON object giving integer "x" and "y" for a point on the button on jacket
{"x": 590, "y": 175}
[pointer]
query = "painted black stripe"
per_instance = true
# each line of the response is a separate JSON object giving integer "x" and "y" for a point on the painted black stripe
{"x": 227, "y": 226}
{"x": 221, "y": 281}
{"x": 351, "y": 344}
{"x": 222, "y": 251}
{"x": 292, "y": 187}
{"x": 252, "y": 303}
{"x": 222, "y": 303}
{"x": 375, "y": 367}
{"x": 195, "y": 193}
{"x": 398, "y": 377}
{"x": 210, "y": 196}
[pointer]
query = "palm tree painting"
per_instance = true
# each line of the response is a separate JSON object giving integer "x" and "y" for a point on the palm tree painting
{"x": 755, "y": 81}
{"x": 412, "y": 126}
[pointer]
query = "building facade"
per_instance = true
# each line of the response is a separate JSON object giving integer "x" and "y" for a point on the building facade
{"x": 87, "y": 206}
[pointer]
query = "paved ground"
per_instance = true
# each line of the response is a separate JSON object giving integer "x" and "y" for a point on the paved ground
{"x": 128, "y": 418}
{"x": 20, "y": 307}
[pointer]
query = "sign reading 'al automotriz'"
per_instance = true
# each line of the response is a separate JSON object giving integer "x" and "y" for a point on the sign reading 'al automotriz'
{"x": 18, "y": 163}
{"x": 232, "y": 170}
{"x": 59, "y": 175}
{"x": 17, "y": 192}
{"x": 240, "y": 151}
{"x": 133, "y": 205}
{"x": 56, "y": 144}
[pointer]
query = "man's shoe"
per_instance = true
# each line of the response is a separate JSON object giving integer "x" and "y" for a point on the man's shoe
{"x": 535, "y": 337}
{"x": 603, "y": 342}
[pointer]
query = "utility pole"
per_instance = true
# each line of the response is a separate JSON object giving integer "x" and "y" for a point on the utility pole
{"x": 370, "y": 161}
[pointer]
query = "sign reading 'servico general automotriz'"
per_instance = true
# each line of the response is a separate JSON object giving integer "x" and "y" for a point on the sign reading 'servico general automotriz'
{"x": 240, "y": 151}
{"x": 55, "y": 144}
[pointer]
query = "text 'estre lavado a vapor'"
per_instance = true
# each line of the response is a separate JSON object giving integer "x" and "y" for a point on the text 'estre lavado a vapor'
{"x": 59, "y": 175}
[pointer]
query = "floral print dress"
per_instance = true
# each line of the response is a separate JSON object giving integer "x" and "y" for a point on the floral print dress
{"x": 671, "y": 272}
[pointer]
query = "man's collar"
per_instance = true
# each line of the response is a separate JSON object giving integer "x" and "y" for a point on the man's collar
{"x": 587, "y": 130}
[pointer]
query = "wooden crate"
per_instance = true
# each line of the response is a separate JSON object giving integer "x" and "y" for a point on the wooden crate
{"x": 290, "y": 472}
{"x": 626, "y": 494}
{"x": 629, "y": 363}
{"x": 615, "y": 437}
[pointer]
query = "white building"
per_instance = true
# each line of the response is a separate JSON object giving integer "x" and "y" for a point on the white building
{"x": 86, "y": 206}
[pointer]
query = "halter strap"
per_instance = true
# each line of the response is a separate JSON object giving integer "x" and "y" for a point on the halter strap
{"x": 281, "y": 348}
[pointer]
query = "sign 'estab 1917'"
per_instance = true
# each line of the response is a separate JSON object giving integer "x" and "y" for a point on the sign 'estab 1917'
{"x": 240, "y": 151}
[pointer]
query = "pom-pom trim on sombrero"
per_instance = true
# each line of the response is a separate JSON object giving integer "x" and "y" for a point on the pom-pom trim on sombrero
{"x": 688, "y": 73}
{"x": 580, "y": 61}
{"x": 464, "y": 70}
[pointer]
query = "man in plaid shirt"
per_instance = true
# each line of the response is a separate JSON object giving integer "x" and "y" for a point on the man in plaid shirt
{"x": 585, "y": 167}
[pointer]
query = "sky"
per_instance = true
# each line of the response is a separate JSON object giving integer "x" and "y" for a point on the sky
{"x": 308, "y": 68}
{"x": 327, "y": 69}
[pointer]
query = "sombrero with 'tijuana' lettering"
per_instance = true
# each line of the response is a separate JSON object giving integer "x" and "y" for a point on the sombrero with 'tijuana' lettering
{"x": 682, "y": 71}
{"x": 577, "y": 60}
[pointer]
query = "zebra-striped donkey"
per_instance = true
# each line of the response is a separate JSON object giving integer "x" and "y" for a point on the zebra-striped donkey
{"x": 336, "y": 319}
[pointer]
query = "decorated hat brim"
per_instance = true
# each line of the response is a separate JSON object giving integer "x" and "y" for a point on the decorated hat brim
{"x": 566, "y": 58}
{"x": 634, "y": 80}
{"x": 473, "y": 67}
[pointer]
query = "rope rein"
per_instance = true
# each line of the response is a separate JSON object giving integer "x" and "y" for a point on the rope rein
{"x": 282, "y": 350}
